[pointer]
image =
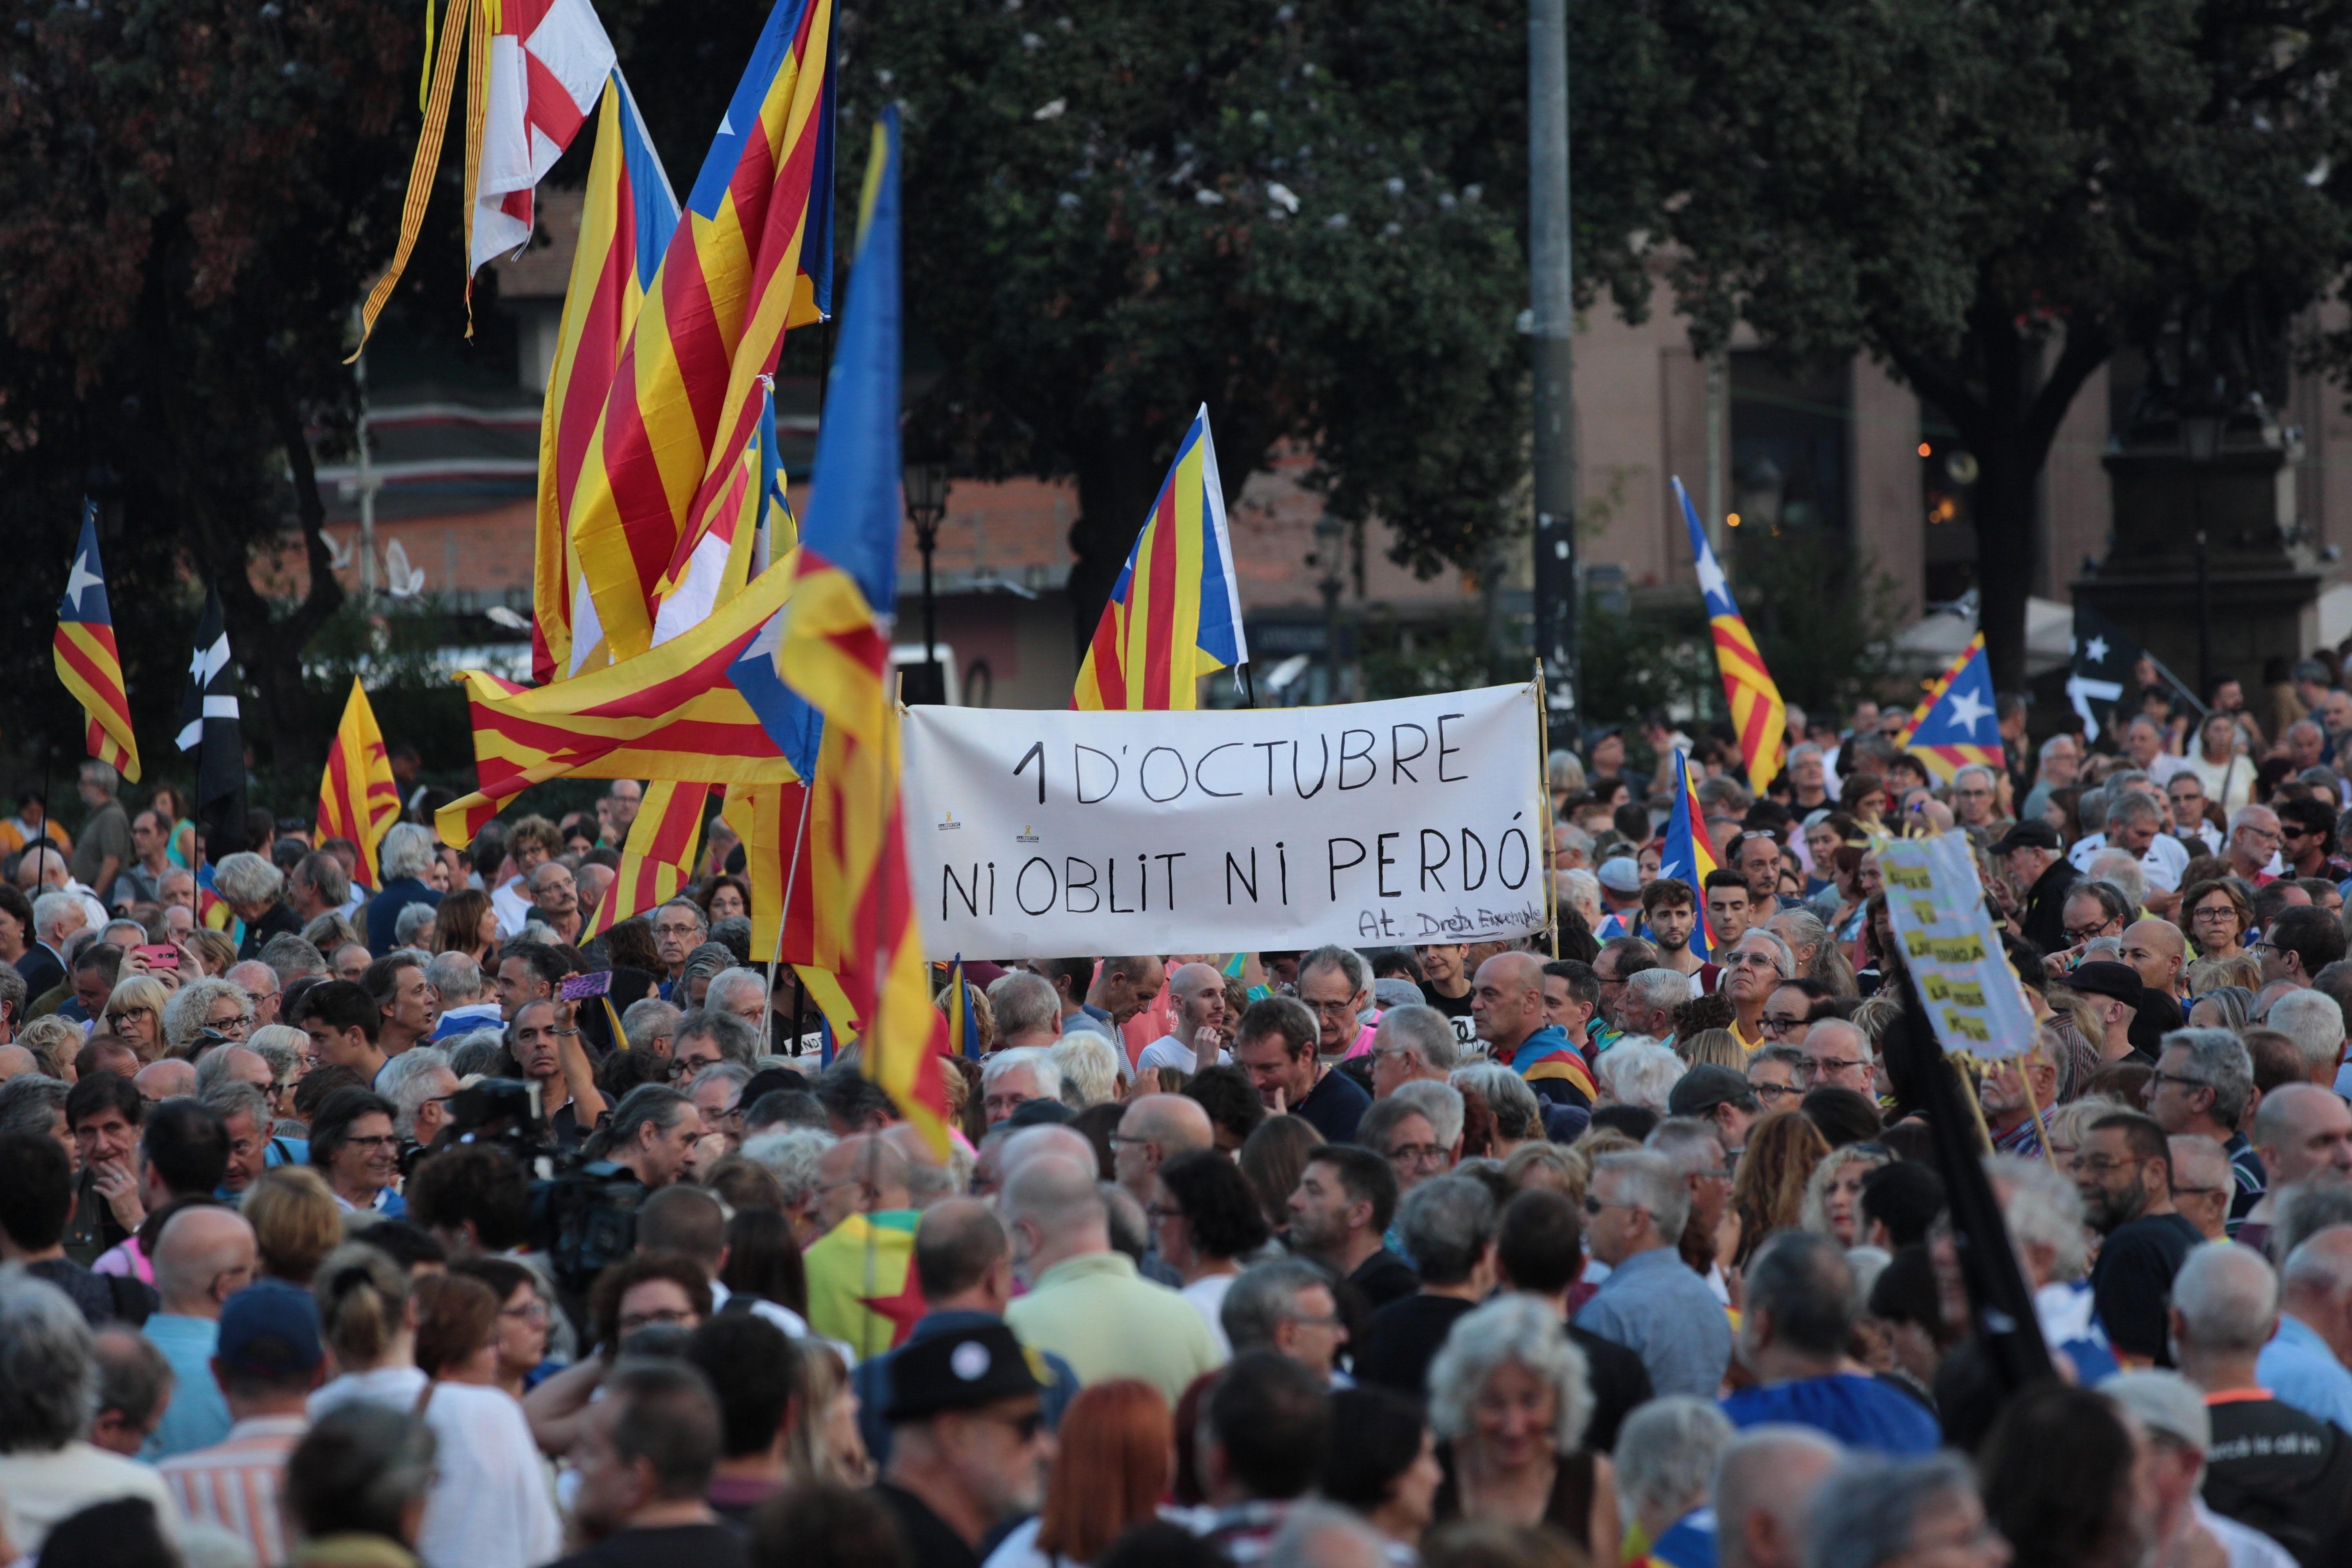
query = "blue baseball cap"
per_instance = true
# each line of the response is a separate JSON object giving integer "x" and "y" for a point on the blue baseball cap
{"x": 271, "y": 1330}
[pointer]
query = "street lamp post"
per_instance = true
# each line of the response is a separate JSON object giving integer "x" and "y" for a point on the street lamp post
{"x": 926, "y": 505}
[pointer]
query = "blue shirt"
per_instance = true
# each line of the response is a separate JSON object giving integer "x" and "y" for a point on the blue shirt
{"x": 1860, "y": 1412}
{"x": 871, "y": 1379}
{"x": 383, "y": 910}
{"x": 197, "y": 1416}
{"x": 1653, "y": 1305}
{"x": 2299, "y": 1368}
{"x": 1688, "y": 1542}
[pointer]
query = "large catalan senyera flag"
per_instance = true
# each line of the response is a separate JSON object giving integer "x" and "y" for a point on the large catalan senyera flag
{"x": 1757, "y": 714}
{"x": 752, "y": 255}
{"x": 625, "y": 224}
{"x": 829, "y": 650}
{"x": 1175, "y": 613}
{"x": 357, "y": 797}
{"x": 1955, "y": 725}
{"x": 773, "y": 820}
{"x": 531, "y": 82}
{"x": 1688, "y": 854}
{"x": 669, "y": 714}
{"x": 87, "y": 658}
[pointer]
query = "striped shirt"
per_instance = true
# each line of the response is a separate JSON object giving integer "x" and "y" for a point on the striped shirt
{"x": 234, "y": 1483}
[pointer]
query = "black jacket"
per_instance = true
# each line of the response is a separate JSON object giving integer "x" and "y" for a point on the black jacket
{"x": 2045, "y": 908}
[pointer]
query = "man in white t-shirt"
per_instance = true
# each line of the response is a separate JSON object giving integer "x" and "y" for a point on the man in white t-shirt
{"x": 1200, "y": 1005}
{"x": 2135, "y": 822}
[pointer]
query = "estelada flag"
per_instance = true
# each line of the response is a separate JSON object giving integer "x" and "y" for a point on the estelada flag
{"x": 862, "y": 1286}
{"x": 85, "y": 656}
{"x": 1688, "y": 856}
{"x": 1175, "y": 613}
{"x": 1955, "y": 725}
{"x": 1757, "y": 713}
{"x": 357, "y": 797}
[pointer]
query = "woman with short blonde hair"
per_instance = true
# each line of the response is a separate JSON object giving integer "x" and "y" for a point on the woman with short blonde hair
{"x": 134, "y": 1015}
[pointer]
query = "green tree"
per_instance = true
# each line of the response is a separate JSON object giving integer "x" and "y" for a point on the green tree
{"x": 196, "y": 193}
{"x": 1991, "y": 197}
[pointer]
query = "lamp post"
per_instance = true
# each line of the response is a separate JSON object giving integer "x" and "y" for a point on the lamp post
{"x": 1329, "y": 533}
{"x": 926, "y": 505}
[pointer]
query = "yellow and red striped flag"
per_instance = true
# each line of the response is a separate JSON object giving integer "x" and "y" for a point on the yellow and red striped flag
{"x": 624, "y": 226}
{"x": 1175, "y": 613}
{"x": 828, "y": 651}
{"x": 1757, "y": 714}
{"x": 669, "y": 713}
{"x": 750, "y": 257}
{"x": 85, "y": 656}
{"x": 654, "y": 860}
{"x": 357, "y": 797}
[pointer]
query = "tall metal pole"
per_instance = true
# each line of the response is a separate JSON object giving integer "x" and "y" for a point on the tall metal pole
{"x": 1552, "y": 319}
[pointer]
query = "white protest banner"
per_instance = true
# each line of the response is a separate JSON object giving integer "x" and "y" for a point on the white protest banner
{"x": 1936, "y": 905}
{"x": 1041, "y": 835}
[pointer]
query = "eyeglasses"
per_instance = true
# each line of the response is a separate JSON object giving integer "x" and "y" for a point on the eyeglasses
{"x": 2263, "y": 835}
{"x": 686, "y": 1067}
{"x": 1781, "y": 1025}
{"x": 1771, "y": 1093}
{"x": 1333, "y": 1009}
{"x": 2158, "y": 1078}
{"x": 532, "y": 1312}
{"x": 1750, "y": 961}
{"x": 116, "y": 1018}
{"x": 1593, "y": 1206}
{"x": 2091, "y": 932}
{"x": 1814, "y": 1067}
{"x": 666, "y": 1317}
{"x": 678, "y": 929}
{"x": 1026, "y": 1426}
{"x": 1417, "y": 1154}
{"x": 2214, "y": 912}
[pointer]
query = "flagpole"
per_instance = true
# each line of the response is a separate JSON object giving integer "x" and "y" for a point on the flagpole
{"x": 775, "y": 961}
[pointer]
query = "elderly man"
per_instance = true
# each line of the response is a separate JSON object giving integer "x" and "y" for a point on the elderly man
{"x": 2201, "y": 1188}
{"x": 2304, "y": 1364}
{"x": 56, "y": 918}
{"x": 1447, "y": 1222}
{"x": 680, "y": 927}
{"x": 2061, "y": 760}
{"x": 317, "y": 886}
{"x": 1010, "y": 1080}
{"x": 1286, "y": 1306}
{"x": 1417, "y": 1129}
{"x": 969, "y": 1448}
{"x": 1650, "y": 1302}
{"x": 1795, "y": 1321}
{"x": 1196, "y": 1024}
{"x": 2157, "y": 952}
{"x": 262, "y": 988}
{"x": 1618, "y": 960}
{"x": 593, "y": 882}
{"x": 2136, "y": 815}
{"x": 2225, "y": 1311}
{"x": 2313, "y": 1020}
{"x": 2028, "y": 854}
{"x": 2253, "y": 843}
{"x": 456, "y": 981}
{"x": 555, "y": 900}
{"x": 243, "y": 1110}
{"x": 2302, "y": 1133}
{"x": 1763, "y": 1484}
{"x": 1274, "y": 1044}
{"x": 396, "y": 983}
{"x": 2014, "y": 1089}
{"x": 2203, "y": 1083}
{"x": 419, "y": 1083}
{"x": 49, "y": 1470}
{"x": 1507, "y": 1006}
{"x": 1028, "y": 1010}
{"x": 1837, "y": 1056}
{"x": 1695, "y": 1149}
{"x": 1126, "y": 984}
{"x": 1646, "y": 1005}
{"x": 1085, "y": 1302}
{"x": 1412, "y": 1045}
{"x": 203, "y": 1256}
{"x": 740, "y": 993}
{"x": 1752, "y": 970}
{"x": 1336, "y": 984}
{"x": 1976, "y": 803}
{"x": 1154, "y": 1129}
{"x": 545, "y": 1046}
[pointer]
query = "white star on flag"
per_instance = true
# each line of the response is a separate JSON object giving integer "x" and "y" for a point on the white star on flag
{"x": 1968, "y": 710}
{"x": 81, "y": 580}
{"x": 2096, "y": 650}
{"x": 1710, "y": 576}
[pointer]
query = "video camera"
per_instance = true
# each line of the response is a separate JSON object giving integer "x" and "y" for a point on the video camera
{"x": 583, "y": 1212}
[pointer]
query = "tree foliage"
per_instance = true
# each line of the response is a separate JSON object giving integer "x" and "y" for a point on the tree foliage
{"x": 192, "y": 196}
{"x": 1992, "y": 197}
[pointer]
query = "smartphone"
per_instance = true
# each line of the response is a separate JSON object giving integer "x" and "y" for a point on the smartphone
{"x": 576, "y": 987}
{"x": 159, "y": 956}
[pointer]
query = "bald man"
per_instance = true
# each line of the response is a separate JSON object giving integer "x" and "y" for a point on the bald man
{"x": 2303, "y": 1134}
{"x": 1837, "y": 1056}
{"x": 1197, "y": 1034}
{"x": 2158, "y": 951}
{"x": 161, "y": 1080}
{"x": 204, "y": 1256}
{"x": 1085, "y": 1302}
{"x": 1155, "y": 1129}
{"x": 1762, "y": 1485}
{"x": 863, "y": 1202}
{"x": 16, "y": 1060}
{"x": 1507, "y": 1008}
{"x": 2304, "y": 1363}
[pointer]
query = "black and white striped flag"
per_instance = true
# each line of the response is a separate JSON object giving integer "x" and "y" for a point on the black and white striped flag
{"x": 209, "y": 726}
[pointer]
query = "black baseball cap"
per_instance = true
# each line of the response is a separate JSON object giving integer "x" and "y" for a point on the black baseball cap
{"x": 2030, "y": 833}
{"x": 2104, "y": 977}
{"x": 962, "y": 1369}
{"x": 1706, "y": 1086}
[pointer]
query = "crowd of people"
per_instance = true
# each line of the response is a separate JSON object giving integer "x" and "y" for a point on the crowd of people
{"x": 364, "y": 1228}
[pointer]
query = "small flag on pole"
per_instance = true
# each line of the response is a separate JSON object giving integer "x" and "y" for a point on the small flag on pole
{"x": 209, "y": 727}
{"x": 1757, "y": 713}
{"x": 87, "y": 658}
{"x": 963, "y": 1019}
{"x": 1688, "y": 856}
{"x": 357, "y": 797}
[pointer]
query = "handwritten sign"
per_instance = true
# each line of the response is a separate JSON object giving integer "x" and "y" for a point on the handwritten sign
{"x": 1040, "y": 834}
{"x": 1938, "y": 907}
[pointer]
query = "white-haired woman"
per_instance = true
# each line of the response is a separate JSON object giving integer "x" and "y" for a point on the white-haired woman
{"x": 1833, "y": 1192}
{"x": 1510, "y": 1398}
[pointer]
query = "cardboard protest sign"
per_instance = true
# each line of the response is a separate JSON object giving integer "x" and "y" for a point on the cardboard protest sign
{"x": 1936, "y": 905}
{"x": 1048, "y": 833}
